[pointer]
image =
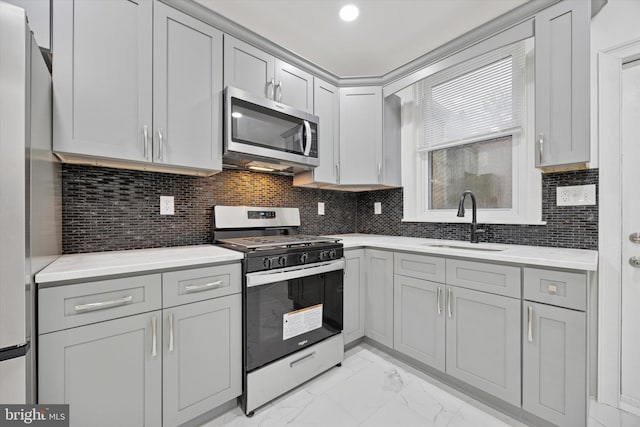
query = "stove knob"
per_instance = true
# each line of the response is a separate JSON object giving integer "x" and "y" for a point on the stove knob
{"x": 332, "y": 253}
{"x": 266, "y": 262}
{"x": 303, "y": 258}
{"x": 282, "y": 261}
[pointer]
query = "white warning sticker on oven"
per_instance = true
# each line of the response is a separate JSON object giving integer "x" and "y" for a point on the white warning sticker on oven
{"x": 301, "y": 321}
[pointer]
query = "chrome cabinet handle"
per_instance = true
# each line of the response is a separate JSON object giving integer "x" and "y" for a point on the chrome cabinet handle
{"x": 308, "y": 140}
{"x": 160, "y": 140}
{"x": 438, "y": 301}
{"x": 154, "y": 336}
{"x": 541, "y": 145}
{"x": 634, "y": 261}
{"x": 272, "y": 89}
{"x": 449, "y": 304}
{"x": 145, "y": 131}
{"x": 279, "y": 92}
{"x": 379, "y": 171}
{"x": 337, "y": 172}
{"x": 81, "y": 308}
{"x": 302, "y": 359}
{"x": 529, "y": 322}
{"x": 203, "y": 287}
{"x": 170, "y": 332}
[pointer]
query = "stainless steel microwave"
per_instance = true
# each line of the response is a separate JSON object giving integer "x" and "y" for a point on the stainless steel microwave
{"x": 265, "y": 135}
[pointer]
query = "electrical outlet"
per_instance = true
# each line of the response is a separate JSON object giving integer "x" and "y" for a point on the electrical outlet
{"x": 166, "y": 205}
{"x": 576, "y": 195}
{"x": 377, "y": 208}
{"x": 320, "y": 208}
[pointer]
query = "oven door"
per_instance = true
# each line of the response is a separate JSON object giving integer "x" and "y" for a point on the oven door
{"x": 291, "y": 308}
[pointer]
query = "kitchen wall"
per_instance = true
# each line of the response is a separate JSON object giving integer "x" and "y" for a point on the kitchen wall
{"x": 567, "y": 226}
{"x": 111, "y": 209}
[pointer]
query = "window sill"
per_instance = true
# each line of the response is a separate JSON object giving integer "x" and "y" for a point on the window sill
{"x": 455, "y": 219}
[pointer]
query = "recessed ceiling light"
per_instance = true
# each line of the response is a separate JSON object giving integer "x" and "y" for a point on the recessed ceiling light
{"x": 349, "y": 12}
{"x": 236, "y": 115}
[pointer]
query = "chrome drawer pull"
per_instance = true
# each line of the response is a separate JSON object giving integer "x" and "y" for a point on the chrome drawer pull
{"x": 529, "y": 322}
{"x": 302, "y": 359}
{"x": 103, "y": 305}
{"x": 203, "y": 287}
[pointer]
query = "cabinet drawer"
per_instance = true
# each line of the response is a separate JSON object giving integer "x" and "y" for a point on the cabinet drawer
{"x": 493, "y": 278}
{"x": 419, "y": 266}
{"x": 180, "y": 287}
{"x": 68, "y": 306}
{"x": 561, "y": 288}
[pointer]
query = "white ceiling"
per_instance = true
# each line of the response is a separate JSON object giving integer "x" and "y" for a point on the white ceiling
{"x": 387, "y": 34}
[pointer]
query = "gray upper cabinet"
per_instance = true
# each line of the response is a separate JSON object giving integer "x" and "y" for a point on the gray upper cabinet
{"x": 326, "y": 105}
{"x": 202, "y": 357}
{"x": 554, "y": 363}
{"x": 361, "y": 136}
{"x": 379, "y": 296}
{"x": 248, "y": 68}
{"x": 562, "y": 34}
{"x": 107, "y": 372}
{"x": 354, "y": 289}
{"x": 483, "y": 341}
{"x": 187, "y": 91}
{"x": 108, "y": 104}
{"x": 253, "y": 70}
{"x": 102, "y": 79}
{"x": 419, "y": 320}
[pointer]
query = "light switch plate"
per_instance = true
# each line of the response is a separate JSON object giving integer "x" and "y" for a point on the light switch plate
{"x": 576, "y": 195}
{"x": 166, "y": 205}
{"x": 320, "y": 208}
{"x": 377, "y": 208}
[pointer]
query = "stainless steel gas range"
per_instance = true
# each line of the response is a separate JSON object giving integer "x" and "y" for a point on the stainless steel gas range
{"x": 292, "y": 299}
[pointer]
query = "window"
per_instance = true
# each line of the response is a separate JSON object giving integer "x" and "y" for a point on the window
{"x": 468, "y": 127}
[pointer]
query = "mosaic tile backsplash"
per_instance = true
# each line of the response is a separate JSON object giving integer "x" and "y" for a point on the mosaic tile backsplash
{"x": 112, "y": 209}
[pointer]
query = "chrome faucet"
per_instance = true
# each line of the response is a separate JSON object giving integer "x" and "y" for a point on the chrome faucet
{"x": 474, "y": 223}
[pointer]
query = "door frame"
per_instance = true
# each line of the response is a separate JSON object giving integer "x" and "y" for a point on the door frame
{"x": 610, "y": 221}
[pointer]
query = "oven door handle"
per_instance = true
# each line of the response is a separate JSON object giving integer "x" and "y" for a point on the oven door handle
{"x": 272, "y": 276}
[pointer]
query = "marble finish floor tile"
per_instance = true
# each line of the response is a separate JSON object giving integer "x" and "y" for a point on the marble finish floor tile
{"x": 372, "y": 389}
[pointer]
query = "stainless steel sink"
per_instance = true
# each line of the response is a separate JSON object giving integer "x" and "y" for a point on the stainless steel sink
{"x": 470, "y": 247}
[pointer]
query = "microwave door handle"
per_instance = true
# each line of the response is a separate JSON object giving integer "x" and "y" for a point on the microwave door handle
{"x": 307, "y": 147}
{"x": 301, "y": 138}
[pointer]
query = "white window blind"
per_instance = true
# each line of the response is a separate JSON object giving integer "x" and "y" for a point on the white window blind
{"x": 480, "y": 99}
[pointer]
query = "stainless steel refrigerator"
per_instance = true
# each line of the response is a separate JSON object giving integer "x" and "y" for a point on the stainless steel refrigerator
{"x": 30, "y": 202}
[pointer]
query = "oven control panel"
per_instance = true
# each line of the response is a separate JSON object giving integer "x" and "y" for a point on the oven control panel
{"x": 259, "y": 261}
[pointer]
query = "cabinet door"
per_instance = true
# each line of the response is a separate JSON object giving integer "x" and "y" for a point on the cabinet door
{"x": 187, "y": 91}
{"x": 202, "y": 357}
{"x": 107, "y": 372}
{"x": 360, "y": 135}
{"x": 379, "y": 296}
{"x": 293, "y": 86}
{"x": 419, "y": 320}
{"x": 248, "y": 68}
{"x": 554, "y": 358}
{"x": 562, "y": 84}
{"x": 483, "y": 341}
{"x": 326, "y": 101}
{"x": 354, "y": 279}
{"x": 102, "y": 78}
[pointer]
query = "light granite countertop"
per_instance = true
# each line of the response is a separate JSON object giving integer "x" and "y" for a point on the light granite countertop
{"x": 97, "y": 264}
{"x": 578, "y": 259}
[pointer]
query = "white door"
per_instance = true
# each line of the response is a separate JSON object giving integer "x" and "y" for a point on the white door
{"x": 630, "y": 294}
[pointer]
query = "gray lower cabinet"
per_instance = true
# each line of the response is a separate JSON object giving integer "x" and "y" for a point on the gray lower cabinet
{"x": 379, "y": 296}
{"x": 201, "y": 358}
{"x": 554, "y": 363}
{"x": 483, "y": 341}
{"x": 108, "y": 372}
{"x": 419, "y": 320}
{"x": 562, "y": 84}
{"x": 353, "y": 295}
